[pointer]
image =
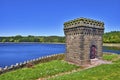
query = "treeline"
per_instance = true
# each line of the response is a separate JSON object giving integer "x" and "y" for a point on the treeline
{"x": 111, "y": 37}
{"x": 30, "y": 38}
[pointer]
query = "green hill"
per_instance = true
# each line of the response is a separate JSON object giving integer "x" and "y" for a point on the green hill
{"x": 111, "y": 37}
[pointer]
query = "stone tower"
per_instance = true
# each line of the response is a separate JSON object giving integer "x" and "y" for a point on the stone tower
{"x": 83, "y": 40}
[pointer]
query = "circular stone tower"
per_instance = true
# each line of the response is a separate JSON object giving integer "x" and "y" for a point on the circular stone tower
{"x": 83, "y": 40}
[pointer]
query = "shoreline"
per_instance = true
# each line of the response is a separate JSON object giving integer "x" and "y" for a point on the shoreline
{"x": 112, "y": 44}
{"x": 104, "y": 44}
{"x": 34, "y": 42}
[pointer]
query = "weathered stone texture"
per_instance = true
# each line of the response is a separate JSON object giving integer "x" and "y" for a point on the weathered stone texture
{"x": 83, "y": 36}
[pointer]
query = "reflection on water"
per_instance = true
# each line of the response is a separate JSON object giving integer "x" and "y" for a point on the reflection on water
{"x": 111, "y": 49}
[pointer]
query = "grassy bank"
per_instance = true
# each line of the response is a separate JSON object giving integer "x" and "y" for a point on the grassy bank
{"x": 40, "y": 70}
{"x": 102, "y": 72}
{"x": 55, "y": 67}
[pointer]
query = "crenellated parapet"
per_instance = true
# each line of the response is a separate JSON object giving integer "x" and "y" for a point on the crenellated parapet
{"x": 83, "y": 26}
{"x": 83, "y": 22}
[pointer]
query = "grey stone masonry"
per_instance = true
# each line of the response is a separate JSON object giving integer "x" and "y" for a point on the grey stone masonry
{"x": 83, "y": 40}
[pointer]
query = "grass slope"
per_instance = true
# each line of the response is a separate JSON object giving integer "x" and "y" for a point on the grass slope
{"x": 102, "y": 72}
{"x": 40, "y": 70}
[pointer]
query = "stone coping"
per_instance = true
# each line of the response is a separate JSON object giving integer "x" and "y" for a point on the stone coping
{"x": 84, "y": 22}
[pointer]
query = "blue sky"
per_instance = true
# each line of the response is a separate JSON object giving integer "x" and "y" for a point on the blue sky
{"x": 46, "y": 17}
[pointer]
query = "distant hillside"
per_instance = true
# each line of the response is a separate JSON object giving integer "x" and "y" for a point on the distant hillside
{"x": 19, "y": 38}
{"x": 111, "y": 37}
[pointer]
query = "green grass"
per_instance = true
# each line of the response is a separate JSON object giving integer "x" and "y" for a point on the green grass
{"x": 40, "y": 70}
{"x": 110, "y": 57}
{"x": 102, "y": 72}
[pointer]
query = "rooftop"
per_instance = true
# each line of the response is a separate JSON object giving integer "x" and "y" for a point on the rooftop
{"x": 84, "y": 22}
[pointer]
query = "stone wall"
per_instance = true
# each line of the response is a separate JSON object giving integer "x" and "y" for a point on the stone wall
{"x": 81, "y": 34}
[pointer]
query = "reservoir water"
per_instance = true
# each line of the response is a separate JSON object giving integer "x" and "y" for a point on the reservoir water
{"x": 12, "y": 53}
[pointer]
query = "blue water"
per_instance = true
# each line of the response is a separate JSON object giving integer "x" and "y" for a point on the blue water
{"x": 105, "y": 49}
{"x": 12, "y": 53}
